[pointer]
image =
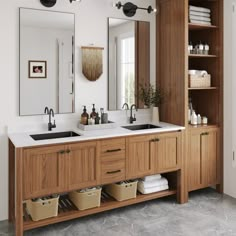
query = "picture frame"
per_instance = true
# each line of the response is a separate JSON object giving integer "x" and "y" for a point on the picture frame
{"x": 37, "y": 69}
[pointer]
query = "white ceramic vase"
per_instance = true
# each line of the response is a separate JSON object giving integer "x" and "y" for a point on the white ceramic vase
{"x": 155, "y": 115}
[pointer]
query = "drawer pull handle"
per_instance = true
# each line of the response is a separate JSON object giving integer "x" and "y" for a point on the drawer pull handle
{"x": 62, "y": 152}
{"x": 155, "y": 140}
{"x": 114, "y": 150}
{"x": 113, "y": 172}
{"x": 68, "y": 151}
{"x": 206, "y": 133}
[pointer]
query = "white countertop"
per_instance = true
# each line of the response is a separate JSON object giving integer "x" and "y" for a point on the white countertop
{"x": 21, "y": 140}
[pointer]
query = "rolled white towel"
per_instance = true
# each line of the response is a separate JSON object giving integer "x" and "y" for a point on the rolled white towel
{"x": 200, "y": 9}
{"x": 152, "y": 190}
{"x": 200, "y": 22}
{"x": 201, "y": 18}
{"x": 153, "y": 183}
{"x": 152, "y": 177}
{"x": 198, "y": 13}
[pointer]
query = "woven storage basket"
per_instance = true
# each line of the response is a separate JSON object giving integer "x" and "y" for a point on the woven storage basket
{"x": 42, "y": 209}
{"x": 86, "y": 200}
{"x": 199, "y": 81}
{"x": 122, "y": 192}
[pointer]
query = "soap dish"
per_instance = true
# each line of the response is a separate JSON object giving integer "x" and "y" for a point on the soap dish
{"x": 109, "y": 125}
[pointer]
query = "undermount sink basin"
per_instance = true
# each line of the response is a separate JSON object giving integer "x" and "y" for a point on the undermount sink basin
{"x": 140, "y": 127}
{"x": 66, "y": 134}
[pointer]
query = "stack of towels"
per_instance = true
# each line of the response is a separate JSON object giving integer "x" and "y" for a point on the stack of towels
{"x": 152, "y": 184}
{"x": 199, "y": 15}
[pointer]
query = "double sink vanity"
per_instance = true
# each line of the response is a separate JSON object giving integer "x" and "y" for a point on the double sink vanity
{"x": 49, "y": 163}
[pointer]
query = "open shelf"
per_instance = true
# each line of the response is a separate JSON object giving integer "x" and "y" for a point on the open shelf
{"x": 68, "y": 211}
{"x": 203, "y": 88}
{"x": 201, "y": 56}
{"x": 193, "y": 26}
{"x": 202, "y": 126}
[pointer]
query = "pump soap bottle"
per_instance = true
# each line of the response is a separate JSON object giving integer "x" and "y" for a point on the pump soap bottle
{"x": 93, "y": 114}
{"x": 84, "y": 117}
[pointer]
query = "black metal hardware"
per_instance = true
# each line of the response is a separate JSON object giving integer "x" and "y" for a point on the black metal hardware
{"x": 113, "y": 172}
{"x": 48, "y": 3}
{"x": 62, "y": 152}
{"x": 114, "y": 150}
{"x": 68, "y": 151}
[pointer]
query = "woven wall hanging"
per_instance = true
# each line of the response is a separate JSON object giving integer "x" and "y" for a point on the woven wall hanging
{"x": 92, "y": 62}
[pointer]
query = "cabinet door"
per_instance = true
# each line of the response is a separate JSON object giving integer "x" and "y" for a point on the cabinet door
{"x": 209, "y": 153}
{"x": 43, "y": 171}
{"x": 139, "y": 163}
{"x": 82, "y": 165}
{"x": 194, "y": 160}
{"x": 166, "y": 152}
{"x": 202, "y": 158}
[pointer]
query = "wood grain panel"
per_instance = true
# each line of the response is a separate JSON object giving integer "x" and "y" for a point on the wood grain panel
{"x": 43, "y": 171}
{"x": 138, "y": 157}
{"x": 109, "y": 147}
{"x": 172, "y": 64}
{"x": 142, "y": 57}
{"x": 82, "y": 165}
{"x": 194, "y": 161}
{"x": 166, "y": 152}
{"x": 113, "y": 170}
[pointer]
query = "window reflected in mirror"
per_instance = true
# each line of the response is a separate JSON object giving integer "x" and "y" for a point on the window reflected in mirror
{"x": 129, "y": 57}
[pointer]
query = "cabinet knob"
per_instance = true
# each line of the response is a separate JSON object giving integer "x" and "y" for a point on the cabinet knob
{"x": 68, "y": 151}
{"x": 61, "y": 152}
{"x": 206, "y": 133}
{"x": 155, "y": 140}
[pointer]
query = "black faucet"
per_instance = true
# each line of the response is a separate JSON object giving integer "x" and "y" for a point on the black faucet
{"x": 126, "y": 106}
{"x": 132, "y": 119}
{"x": 51, "y": 114}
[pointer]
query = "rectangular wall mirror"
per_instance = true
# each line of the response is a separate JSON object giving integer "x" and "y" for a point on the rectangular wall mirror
{"x": 46, "y": 61}
{"x": 128, "y": 61}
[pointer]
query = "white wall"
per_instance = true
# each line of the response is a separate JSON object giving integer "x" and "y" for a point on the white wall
{"x": 229, "y": 99}
{"x": 91, "y": 28}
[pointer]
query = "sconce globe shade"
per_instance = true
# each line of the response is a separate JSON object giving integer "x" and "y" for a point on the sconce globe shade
{"x": 129, "y": 9}
{"x": 48, "y": 3}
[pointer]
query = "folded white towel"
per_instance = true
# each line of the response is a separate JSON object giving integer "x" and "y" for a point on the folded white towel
{"x": 200, "y": 18}
{"x": 198, "y": 13}
{"x": 152, "y": 190}
{"x": 200, "y": 22}
{"x": 200, "y": 9}
{"x": 152, "y": 177}
{"x": 153, "y": 183}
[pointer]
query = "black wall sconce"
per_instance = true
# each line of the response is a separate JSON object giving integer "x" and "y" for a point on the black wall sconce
{"x": 130, "y": 9}
{"x": 48, "y": 3}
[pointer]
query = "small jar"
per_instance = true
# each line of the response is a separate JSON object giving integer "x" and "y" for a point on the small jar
{"x": 206, "y": 49}
{"x": 204, "y": 120}
{"x": 200, "y": 48}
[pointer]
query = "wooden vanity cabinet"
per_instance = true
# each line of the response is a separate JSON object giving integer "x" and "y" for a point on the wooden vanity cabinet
{"x": 202, "y": 158}
{"x": 54, "y": 169}
{"x": 152, "y": 154}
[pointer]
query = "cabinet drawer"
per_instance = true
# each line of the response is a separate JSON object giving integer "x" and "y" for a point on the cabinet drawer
{"x": 113, "y": 171}
{"x": 112, "y": 146}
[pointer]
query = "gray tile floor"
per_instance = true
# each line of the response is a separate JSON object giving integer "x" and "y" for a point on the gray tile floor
{"x": 206, "y": 214}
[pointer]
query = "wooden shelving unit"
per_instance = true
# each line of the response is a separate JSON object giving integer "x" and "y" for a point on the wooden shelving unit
{"x": 192, "y": 26}
{"x": 201, "y": 56}
{"x": 203, "y": 88}
{"x": 68, "y": 211}
{"x": 172, "y": 78}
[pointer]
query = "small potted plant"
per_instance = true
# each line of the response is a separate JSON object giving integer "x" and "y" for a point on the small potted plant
{"x": 151, "y": 96}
